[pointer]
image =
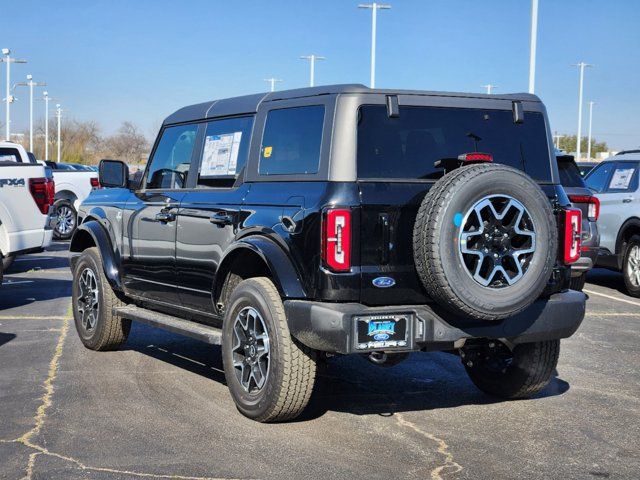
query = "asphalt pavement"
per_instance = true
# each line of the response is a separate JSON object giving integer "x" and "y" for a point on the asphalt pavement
{"x": 159, "y": 407}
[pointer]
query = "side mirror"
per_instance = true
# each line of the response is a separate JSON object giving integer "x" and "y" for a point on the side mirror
{"x": 113, "y": 173}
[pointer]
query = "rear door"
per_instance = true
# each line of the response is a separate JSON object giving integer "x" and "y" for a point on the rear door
{"x": 395, "y": 165}
{"x": 616, "y": 185}
{"x": 150, "y": 268}
{"x": 209, "y": 214}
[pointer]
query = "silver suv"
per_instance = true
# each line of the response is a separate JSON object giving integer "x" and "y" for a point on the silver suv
{"x": 615, "y": 181}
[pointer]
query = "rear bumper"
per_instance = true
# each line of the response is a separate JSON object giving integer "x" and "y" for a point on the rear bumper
{"x": 329, "y": 327}
{"x": 585, "y": 263}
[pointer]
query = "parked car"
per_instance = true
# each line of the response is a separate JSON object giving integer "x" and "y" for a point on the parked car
{"x": 582, "y": 198}
{"x": 615, "y": 182}
{"x": 72, "y": 186}
{"x": 585, "y": 167}
{"x": 26, "y": 195}
{"x": 339, "y": 220}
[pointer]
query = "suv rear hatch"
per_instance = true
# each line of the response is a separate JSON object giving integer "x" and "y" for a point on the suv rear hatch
{"x": 395, "y": 164}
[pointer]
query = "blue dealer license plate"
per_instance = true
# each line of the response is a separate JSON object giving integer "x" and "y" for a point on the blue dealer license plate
{"x": 381, "y": 332}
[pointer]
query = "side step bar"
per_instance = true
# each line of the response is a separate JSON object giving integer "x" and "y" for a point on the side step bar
{"x": 204, "y": 333}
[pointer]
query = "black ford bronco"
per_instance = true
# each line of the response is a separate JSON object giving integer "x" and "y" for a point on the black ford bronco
{"x": 295, "y": 225}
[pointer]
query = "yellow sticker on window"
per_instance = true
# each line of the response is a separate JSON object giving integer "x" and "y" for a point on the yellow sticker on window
{"x": 267, "y": 152}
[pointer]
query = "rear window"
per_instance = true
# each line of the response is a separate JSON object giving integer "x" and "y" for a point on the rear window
{"x": 408, "y": 146}
{"x": 569, "y": 173}
{"x": 9, "y": 155}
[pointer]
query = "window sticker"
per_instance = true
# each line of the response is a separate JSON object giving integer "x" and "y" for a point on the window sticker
{"x": 267, "y": 151}
{"x": 220, "y": 156}
{"x": 621, "y": 178}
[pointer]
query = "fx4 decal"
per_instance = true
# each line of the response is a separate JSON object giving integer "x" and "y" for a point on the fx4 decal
{"x": 12, "y": 182}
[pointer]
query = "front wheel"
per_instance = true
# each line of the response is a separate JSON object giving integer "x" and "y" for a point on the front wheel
{"x": 520, "y": 372}
{"x": 269, "y": 374}
{"x": 631, "y": 266}
{"x": 66, "y": 220}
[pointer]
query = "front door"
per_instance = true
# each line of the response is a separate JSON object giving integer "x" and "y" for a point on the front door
{"x": 150, "y": 230}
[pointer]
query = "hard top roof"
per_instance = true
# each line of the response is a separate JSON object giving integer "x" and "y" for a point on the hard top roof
{"x": 249, "y": 103}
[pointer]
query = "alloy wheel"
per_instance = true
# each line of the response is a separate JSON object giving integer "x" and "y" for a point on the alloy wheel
{"x": 66, "y": 220}
{"x": 250, "y": 350}
{"x": 87, "y": 302}
{"x": 633, "y": 265}
{"x": 497, "y": 241}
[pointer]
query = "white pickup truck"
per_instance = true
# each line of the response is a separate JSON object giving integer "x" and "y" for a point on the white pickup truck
{"x": 72, "y": 187}
{"x": 26, "y": 196}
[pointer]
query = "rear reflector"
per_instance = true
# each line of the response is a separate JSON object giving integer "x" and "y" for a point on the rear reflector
{"x": 476, "y": 157}
{"x": 594, "y": 205}
{"x": 336, "y": 240}
{"x": 43, "y": 191}
{"x": 95, "y": 183}
{"x": 572, "y": 235}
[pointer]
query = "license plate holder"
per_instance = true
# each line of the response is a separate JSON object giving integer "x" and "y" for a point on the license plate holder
{"x": 383, "y": 332}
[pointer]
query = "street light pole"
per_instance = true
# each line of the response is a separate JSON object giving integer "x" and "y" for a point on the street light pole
{"x": 591, "y": 103}
{"x": 46, "y": 98}
{"x": 59, "y": 117}
{"x": 312, "y": 61}
{"x": 374, "y": 21}
{"x": 30, "y": 83}
{"x": 272, "y": 81}
{"x": 534, "y": 41}
{"x": 582, "y": 66}
{"x": 489, "y": 88}
{"x": 9, "y": 99}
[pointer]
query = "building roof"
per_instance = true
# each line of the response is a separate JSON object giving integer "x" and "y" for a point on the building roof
{"x": 249, "y": 103}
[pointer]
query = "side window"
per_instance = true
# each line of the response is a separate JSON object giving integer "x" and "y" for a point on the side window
{"x": 225, "y": 150}
{"x": 597, "y": 179}
{"x": 291, "y": 141}
{"x": 170, "y": 164}
{"x": 624, "y": 178}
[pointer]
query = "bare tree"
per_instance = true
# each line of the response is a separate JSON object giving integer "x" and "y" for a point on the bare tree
{"x": 128, "y": 144}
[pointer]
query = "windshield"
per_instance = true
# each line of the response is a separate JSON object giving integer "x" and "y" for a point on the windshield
{"x": 408, "y": 146}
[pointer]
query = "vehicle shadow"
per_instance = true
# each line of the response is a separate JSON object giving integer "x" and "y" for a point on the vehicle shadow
{"x": 6, "y": 337}
{"x": 27, "y": 263}
{"x": 607, "y": 278}
{"x": 351, "y": 384}
{"x": 20, "y": 291}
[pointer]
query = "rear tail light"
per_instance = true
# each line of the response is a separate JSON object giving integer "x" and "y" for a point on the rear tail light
{"x": 594, "y": 205}
{"x": 336, "y": 240}
{"x": 572, "y": 235}
{"x": 43, "y": 191}
{"x": 95, "y": 183}
{"x": 476, "y": 157}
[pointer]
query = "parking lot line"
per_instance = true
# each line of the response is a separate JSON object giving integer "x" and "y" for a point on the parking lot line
{"x": 611, "y": 297}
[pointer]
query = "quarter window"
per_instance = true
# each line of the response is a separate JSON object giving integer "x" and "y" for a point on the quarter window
{"x": 291, "y": 141}
{"x": 170, "y": 164}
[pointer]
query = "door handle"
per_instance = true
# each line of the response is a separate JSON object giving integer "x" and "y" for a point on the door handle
{"x": 221, "y": 219}
{"x": 165, "y": 217}
{"x": 627, "y": 200}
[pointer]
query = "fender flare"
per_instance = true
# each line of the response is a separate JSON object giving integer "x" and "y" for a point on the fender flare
{"x": 285, "y": 275}
{"x": 110, "y": 261}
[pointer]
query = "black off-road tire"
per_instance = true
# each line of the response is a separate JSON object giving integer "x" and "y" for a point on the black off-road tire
{"x": 110, "y": 331}
{"x": 531, "y": 369}
{"x": 436, "y": 250}
{"x": 67, "y": 204}
{"x": 577, "y": 283}
{"x": 7, "y": 261}
{"x": 633, "y": 290}
{"x": 292, "y": 367}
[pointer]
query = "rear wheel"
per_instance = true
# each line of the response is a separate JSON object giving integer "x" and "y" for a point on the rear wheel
{"x": 631, "y": 266}
{"x": 93, "y": 301}
{"x": 520, "y": 372}
{"x": 269, "y": 374}
{"x": 66, "y": 220}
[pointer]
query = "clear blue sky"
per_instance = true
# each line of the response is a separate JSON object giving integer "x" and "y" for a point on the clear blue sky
{"x": 140, "y": 60}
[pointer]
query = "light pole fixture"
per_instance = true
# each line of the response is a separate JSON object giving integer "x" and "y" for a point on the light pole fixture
{"x": 30, "y": 83}
{"x": 581, "y": 66}
{"x": 312, "y": 61}
{"x": 59, "y": 117}
{"x": 591, "y": 104}
{"x": 46, "y": 99}
{"x": 9, "y": 98}
{"x": 534, "y": 41}
{"x": 374, "y": 20}
{"x": 272, "y": 81}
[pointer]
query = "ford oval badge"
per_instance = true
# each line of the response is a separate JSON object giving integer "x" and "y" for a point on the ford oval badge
{"x": 383, "y": 282}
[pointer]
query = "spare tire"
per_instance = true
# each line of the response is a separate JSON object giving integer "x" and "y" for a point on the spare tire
{"x": 485, "y": 241}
